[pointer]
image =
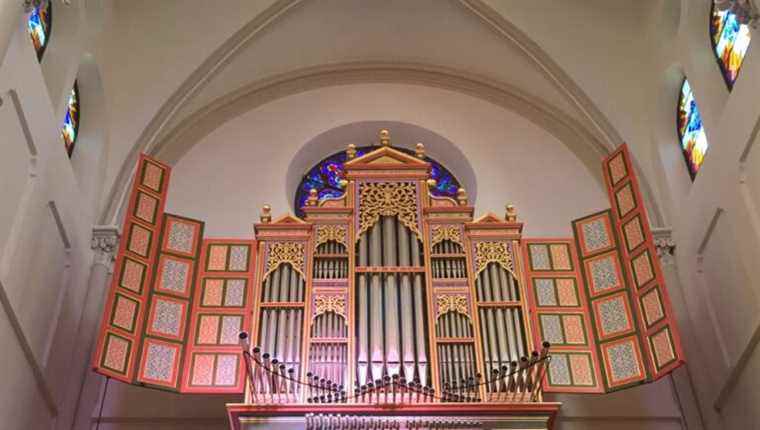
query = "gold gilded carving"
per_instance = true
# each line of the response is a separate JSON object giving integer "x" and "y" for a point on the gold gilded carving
{"x": 330, "y": 303}
{"x": 378, "y": 199}
{"x": 286, "y": 252}
{"x": 266, "y": 214}
{"x": 326, "y": 233}
{"x": 452, "y": 303}
{"x": 439, "y": 233}
{"x": 496, "y": 252}
{"x": 462, "y": 196}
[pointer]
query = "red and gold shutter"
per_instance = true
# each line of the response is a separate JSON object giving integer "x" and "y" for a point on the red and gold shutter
{"x": 660, "y": 337}
{"x": 560, "y": 315}
{"x": 121, "y": 332}
{"x": 222, "y": 306}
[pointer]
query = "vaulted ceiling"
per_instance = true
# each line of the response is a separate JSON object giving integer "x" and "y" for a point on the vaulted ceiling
{"x": 177, "y": 72}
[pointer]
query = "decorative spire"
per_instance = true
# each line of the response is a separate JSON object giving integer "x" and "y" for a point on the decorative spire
{"x": 511, "y": 215}
{"x": 313, "y": 197}
{"x": 385, "y": 138}
{"x": 351, "y": 151}
{"x": 266, "y": 214}
{"x": 462, "y": 197}
{"x": 420, "y": 151}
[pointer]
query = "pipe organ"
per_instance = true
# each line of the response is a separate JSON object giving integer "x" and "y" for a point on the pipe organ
{"x": 388, "y": 303}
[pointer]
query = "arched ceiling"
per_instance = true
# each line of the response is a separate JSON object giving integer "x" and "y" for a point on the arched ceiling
{"x": 223, "y": 62}
{"x": 246, "y": 163}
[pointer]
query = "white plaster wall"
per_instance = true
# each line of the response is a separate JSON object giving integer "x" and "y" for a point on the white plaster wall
{"x": 47, "y": 212}
{"x": 244, "y": 164}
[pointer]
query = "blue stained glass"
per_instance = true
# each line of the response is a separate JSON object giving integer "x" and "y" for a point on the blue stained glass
{"x": 325, "y": 177}
{"x": 70, "y": 127}
{"x": 39, "y": 24}
{"x": 691, "y": 132}
{"x": 730, "y": 40}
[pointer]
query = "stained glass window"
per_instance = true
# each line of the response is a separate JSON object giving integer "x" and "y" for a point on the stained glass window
{"x": 325, "y": 177}
{"x": 690, "y": 130}
{"x": 730, "y": 40}
{"x": 39, "y": 26}
{"x": 70, "y": 126}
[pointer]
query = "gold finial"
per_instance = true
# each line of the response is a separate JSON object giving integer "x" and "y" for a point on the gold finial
{"x": 420, "y": 150}
{"x": 431, "y": 182}
{"x": 351, "y": 151}
{"x": 313, "y": 197}
{"x": 385, "y": 138}
{"x": 343, "y": 183}
{"x": 462, "y": 197}
{"x": 511, "y": 215}
{"x": 266, "y": 214}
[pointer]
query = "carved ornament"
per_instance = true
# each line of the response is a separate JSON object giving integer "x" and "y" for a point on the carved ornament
{"x": 452, "y": 303}
{"x": 330, "y": 303}
{"x": 439, "y": 233}
{"x": 378, "y": 199}
{"x": 285, "y": 252}
{"x": 493, "y": 252}
{"x": 328, "y": 232}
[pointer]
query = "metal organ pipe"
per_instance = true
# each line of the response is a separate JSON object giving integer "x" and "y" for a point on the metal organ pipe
{"x": 407, "y": 311}
{"x": 391, "y": 310}
{"x": 281, "y": 327}
{"x": 390, "y": 252}
{"x": 376, "y": 302}
{"x": 501, "y": 325}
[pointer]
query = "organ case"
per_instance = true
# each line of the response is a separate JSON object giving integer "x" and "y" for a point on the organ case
{"x": 388, "y": 295}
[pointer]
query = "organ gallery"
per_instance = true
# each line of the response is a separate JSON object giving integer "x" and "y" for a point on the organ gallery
{"x": 387, "y": 306}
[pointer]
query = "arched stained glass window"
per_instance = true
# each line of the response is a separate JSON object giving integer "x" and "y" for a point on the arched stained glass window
{"x": 39, "y": 24}
{"x": 730, "y": 40}
{"x": 70, "y": 127}
{"x": 691, "y": 132}
{"x": 326, "y": 175}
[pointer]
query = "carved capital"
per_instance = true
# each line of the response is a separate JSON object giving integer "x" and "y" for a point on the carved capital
{"x": 665, "y": 245}
{"x": 105, "y": 242}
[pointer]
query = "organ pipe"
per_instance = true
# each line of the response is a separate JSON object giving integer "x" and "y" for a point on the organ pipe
{"x": 391, "y": 324}
{"x": 501, "y": 326}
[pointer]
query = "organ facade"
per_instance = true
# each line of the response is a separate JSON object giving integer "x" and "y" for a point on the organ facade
{"x": 388, "y": 307}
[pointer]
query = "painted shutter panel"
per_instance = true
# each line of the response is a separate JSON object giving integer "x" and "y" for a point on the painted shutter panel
{"x": 631, "y": 327}
{"x": 560, "y": 315}
{"x": 116, "y": 354}
{"x": 660, "y": 337}
{"x": 164, "y": 340}
{"x": 177, "y": 302}
{"x": 611, "y": 302}
{"x": 221, "y": 310}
